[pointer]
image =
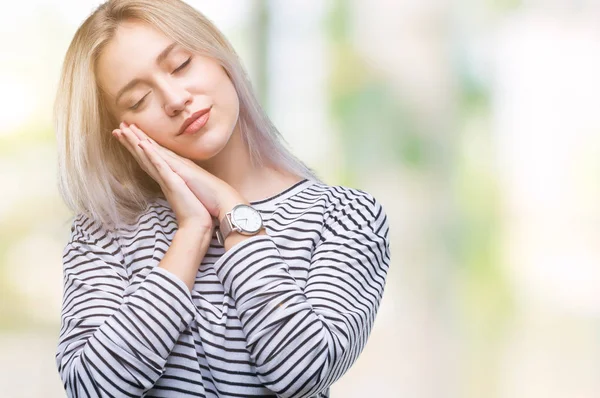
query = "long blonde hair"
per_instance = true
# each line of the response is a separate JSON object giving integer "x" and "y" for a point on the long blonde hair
{"x": 97, "y": 176}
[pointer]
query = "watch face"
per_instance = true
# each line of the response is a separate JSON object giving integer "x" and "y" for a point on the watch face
{"x": 247, "y": 218}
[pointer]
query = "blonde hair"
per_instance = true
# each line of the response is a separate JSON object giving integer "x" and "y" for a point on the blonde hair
{"x": 97, "y": 176}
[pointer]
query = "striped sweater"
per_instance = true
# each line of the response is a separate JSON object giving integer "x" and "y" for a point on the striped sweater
{"x": 278, "y": 315}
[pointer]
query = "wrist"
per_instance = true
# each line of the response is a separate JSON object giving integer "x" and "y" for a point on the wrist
{"x": 227, "y": 233}
{"x": 228, "y": 204}
{"x": 192, "y": 229}
{"x": 235, "y": 238}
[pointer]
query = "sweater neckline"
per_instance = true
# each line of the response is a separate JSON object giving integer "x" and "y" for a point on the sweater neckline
{"x": 281, "y": 196}
{"x": 271, "y": 201}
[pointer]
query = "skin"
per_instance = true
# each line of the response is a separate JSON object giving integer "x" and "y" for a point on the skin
{"x": 203, "y": 175}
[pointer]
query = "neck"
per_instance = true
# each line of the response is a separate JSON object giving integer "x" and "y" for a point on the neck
{"x": 233, "y": 165}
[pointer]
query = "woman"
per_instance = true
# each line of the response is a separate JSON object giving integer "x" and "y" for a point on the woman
{"x": 204, "y": 258}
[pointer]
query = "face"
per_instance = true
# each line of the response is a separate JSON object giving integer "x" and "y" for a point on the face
{"x": 159, "y": 92}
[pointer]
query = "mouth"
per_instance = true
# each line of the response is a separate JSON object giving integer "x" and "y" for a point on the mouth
{"x": 195, "y": 122}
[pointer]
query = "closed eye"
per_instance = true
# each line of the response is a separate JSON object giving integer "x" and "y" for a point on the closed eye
{"x": 183, "y": 65}
{"x": 134, "y": 107}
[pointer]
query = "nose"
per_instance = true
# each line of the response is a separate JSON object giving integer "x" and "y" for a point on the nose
{"x": 176, "y": 99}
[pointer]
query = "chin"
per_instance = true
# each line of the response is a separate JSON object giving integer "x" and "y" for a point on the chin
{"x": 206, "y": 146}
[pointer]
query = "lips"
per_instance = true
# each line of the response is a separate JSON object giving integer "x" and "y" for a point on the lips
{"x": 195, "y": 116}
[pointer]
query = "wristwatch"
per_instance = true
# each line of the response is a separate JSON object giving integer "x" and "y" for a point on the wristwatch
{"x": 243, "y": 218}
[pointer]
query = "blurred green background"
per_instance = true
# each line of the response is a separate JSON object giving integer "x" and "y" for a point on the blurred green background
{"x": 475, "y": 123}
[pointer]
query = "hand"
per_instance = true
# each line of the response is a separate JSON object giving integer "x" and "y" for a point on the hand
{"x": 217, "y": 196}
{"x": 188, "y": 209}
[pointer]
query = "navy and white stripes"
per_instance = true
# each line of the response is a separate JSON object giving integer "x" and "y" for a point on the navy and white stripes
{"x": 283, "y": 314}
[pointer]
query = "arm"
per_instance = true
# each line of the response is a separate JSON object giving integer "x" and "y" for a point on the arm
{"x": 303, "y": 340}
{"x": 109, "y": 346}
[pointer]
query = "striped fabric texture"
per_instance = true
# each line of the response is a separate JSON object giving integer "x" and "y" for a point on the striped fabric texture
{"x": 278, "y": 315}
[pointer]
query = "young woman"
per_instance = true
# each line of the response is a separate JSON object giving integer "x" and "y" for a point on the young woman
{"x": 204, "y": 259}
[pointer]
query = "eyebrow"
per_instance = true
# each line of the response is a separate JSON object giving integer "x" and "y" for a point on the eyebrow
{"x": 160, "y": 58}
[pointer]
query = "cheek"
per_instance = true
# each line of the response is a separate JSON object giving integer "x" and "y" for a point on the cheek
{"x": 229, "y": 98}
{"x": 219, "y": 86}
{"x": 154, "y": 127}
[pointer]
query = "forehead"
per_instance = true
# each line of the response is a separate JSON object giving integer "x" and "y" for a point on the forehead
{"x": 129, "y": 54}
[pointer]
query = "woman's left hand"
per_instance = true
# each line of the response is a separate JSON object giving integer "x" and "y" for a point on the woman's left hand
{"x": 217, "y": 196}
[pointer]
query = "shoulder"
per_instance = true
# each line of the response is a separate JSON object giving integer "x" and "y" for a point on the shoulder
{"x": 354, "y": 206}
{"x": 85, "y": 229}
{"x": 158, "y": 216}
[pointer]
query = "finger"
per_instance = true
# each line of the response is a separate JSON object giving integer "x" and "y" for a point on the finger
{"x": 121, "y": 137}
{"x": 138, "y": 154}
{"x": 138, "y": 132}
{"x": 170, "y": 157}
{"x": 125, "y": 139}
{"x": 162, "y": 151}
{"x": 160, "y": 165}
{"x": 177, "y": 163}
{"x": 173, "y": 159}
{"x": 159, "y": 148}
{"x": 167, "y": 152}
{"x": 131, "y": 136}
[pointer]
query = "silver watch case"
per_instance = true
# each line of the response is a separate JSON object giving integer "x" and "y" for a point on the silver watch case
{"x": 229, "y": 223}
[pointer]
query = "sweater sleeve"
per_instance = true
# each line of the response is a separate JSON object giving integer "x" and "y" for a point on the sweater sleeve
{"x": 302, "y": 340}
{"x": 112, "y": 343}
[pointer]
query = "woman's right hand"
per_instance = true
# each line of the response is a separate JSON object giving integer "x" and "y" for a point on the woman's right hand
{"x": 189, "y": 210}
